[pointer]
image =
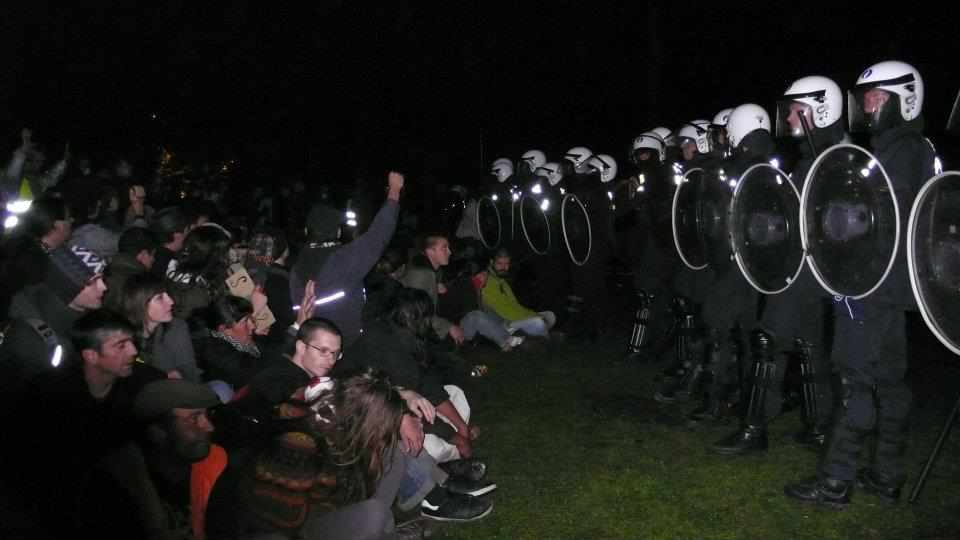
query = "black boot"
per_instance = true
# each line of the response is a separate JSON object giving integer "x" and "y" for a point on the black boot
{"x": 827, "y": 492}
{"x": 886, "y": 489}
{"x": 639, "y": 338}
{"x": 752, "y": 435}
{"x": 813, "y": 393}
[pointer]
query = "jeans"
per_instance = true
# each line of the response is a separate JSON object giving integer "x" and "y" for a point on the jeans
{"x": 488, "y": 326}
{"x": 536, "y": 326}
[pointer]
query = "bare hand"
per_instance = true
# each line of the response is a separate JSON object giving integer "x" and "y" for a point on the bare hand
{"x": 306, "y": 306}
{"x": 474, "y": 433}
{"x": 394, "y": 185}
{"x": 174, "y": 374}
{"x": 456, "y": 334}
{"x": 419, "y": 405}
{"x": 463, "y": 445}
{"x": 411, "y": 433}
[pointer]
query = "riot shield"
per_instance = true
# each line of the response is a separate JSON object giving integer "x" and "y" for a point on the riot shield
{"x": 489, "y": 225}
{"x": 713, "y": 216}
{"x": 577, "y": 234}
{"x": 534, "y": 222}
{"x": 849, "y": 221}
{"x": 765, "y": 228}
{"x": 686, "y": 221}
{"x": 933, "y": 256}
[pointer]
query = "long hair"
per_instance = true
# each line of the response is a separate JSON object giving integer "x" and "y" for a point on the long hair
{"x": 368, "y": 416}
{"x": 137, "y": 292}
{"x": 206, "y": 254}
{"x": 411, "y": 310}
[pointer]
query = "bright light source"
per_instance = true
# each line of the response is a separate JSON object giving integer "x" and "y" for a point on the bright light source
{"x": 11, "y": 222}
{"x": 775, "y": 162}
{"x": 641, "y": 189}
{"x": 937, "y": 166}
{"x": 18, "y": 206}
{"x": 545, "y": 204}
{"x": 57, "y": 356}
{"x": 351, "y": 214}
{"x": 351, "y": 223}
{"x": 642, "y": 179}
{"x": 563, "y": 191}
{"x": 536, "y": 189}
{"x": 732, "y": 183}
{"x": 677, "y": 179}
{"x": 516, "y": 196}
{"x": 495, "y": 197}
{"x": 864, "y": 172}
{"x": 610, "y": 195}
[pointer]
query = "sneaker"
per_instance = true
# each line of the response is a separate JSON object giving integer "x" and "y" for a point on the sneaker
{"x": 472, "y": 469}
{"x": 465, "y": 486}
{"x": 456, "y": 507}
{"x": 515, "y": 341}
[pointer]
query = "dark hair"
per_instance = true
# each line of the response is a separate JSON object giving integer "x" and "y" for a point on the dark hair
{"x": 167, "y": 222}
{"x": 499, "y": 254}
{"x": 315, "y": 324}
{"x": 206, "y": 254}
{"x": 92, "y": 328}
{"x": 411, "y": 309}
{"x": 227, "y": 311}
{"x": 137, "y": 292}
{"x": 39, "y": 220}
{"x": 136, "y": 239}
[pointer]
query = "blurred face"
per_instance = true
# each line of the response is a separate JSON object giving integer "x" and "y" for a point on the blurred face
{"x": 799, "y": 113}
{"x": 874, "y": 100}
{"x": 689, "y": 149}
{"x": 138, "y": 195}
{"x": 319, "y": 353}
{"x": 160, "y": 308}
{"x": 191, "y": 434}
{"x": 501, "y": 265}
{"x": 115, "y": 356}
{"x": 439, "y": 253}
{"x": 242, "y": 330}
{"x": 146, "y": 258}
{"x": 91, "y": 296}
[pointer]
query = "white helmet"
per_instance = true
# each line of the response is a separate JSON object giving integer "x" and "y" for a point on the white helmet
{"x": 578, "y": 155}
{"x": 895, "y": 77}
{"x": 745, "y": 119}
{"x": 502, "y": 169}
{"x": 551, "y": 171}
{"x": 698, "y": 132}
{"x": 605, "y": 165}
{"x": 820, "y": 94}
{"x": 533, "y": 159}
{"x": 721, "y": 118}
{"x": 650, "y": 141}
{"x": 665, "y": 135}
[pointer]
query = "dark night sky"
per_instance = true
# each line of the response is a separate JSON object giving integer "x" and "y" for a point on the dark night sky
{"x": 341, "y": 86}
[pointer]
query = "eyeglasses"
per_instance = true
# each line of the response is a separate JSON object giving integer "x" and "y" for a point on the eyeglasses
{"x": 334, "y": 353}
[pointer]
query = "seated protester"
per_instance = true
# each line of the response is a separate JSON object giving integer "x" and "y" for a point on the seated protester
{"x": 169, "y": 227}
{"x": 197, "y": 277}
{"x": 163, "y": 340}
{"x": 72, "y": 284}
{"x": 281, "y": 390}
{"x": 338, "y": 268}
{"x": 137, "y": 248}
{"x": 498, "y": 297}
{"x": 227, "y": 351}
{"x": 267, "y": 264}
{"x": 84, "y": 200}
{"x": 423, "y": 273}
{"x": 396, "y": 344}
{"x": 77, "y": 421}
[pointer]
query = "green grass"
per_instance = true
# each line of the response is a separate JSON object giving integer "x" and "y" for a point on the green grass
{"x": 574, "y": 443}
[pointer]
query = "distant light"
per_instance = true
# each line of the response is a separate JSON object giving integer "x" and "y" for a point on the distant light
{"x": 19, "y": 206}
{"x": 545, "y": 204}
{"x": 872, "y": 164}
{"x": 536, "y": 189}
{"x": 677, "y": 179}
{"x": 779, "y": 180}
{"x": 642, "y": 179}
{"x": 864, "y": 172}
{"x": 732, "y": 183}
{"x": 775, "y": 162}
{"x": 937, "y": 165}
{"x": 11, "y": 222}
{"x": 641, "y": 189}
{"x": 57, "y": 356}
{"x": 516, "y": 196}
{"x": 563, "y": 191}
{"x": 494, "y": 197}
{"x": 351, "y": 214}
{"x": 610, "y": 195}
{"x": 351, "y": 223}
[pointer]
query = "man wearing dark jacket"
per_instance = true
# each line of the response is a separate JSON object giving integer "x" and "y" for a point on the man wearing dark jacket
{"x": 338, "y": 269}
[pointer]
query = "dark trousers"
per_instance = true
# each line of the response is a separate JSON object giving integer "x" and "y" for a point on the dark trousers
{"x": 872, "y": 357}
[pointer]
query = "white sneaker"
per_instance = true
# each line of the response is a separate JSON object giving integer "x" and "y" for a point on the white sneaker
{"x": 514, "y": 341}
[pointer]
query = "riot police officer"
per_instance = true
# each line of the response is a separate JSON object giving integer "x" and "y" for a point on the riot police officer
{"x": 870, "y": 343}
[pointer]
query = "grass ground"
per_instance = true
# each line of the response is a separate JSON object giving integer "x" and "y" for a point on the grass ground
{"x": 580, "y": 451}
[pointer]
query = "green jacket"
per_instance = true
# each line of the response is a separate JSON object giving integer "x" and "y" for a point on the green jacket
{"x": 497, "y": 296}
